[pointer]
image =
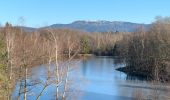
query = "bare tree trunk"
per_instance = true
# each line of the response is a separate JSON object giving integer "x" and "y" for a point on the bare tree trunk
{"x": 11, "y": 71}
{"x": 45, "y": 86}
{"x": 20, "y": 85}
{"x": 67, "y": 72}
{"x": 25, "y": 84}
{"x": 7, "y": 71}
{"x": 57, "y": 65}
{"x": 57, "y": 71}
{"x": 9, "y": 47}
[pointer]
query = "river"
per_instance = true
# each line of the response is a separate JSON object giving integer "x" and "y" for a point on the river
{"x": 95, "y": 78}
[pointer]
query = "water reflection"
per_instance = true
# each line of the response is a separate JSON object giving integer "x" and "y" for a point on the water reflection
{"x": 84, "y": 68}
{"x": 95, "y": 78}
{"x": 137, "y": 78}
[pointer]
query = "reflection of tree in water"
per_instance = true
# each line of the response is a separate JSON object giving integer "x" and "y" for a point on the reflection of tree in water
{"x": 84, "y": 66}
{"x": 118, "y": 62}
{"x": 136, "y": 78}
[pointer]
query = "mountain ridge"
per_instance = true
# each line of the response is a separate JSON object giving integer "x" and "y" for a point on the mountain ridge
{"x": 102, "y": 26}
{"x": 95, "y": 26}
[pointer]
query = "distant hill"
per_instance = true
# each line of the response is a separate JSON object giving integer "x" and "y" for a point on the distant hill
{"x": 97, "y": 26}
{"x": 102, "y": 26}
{"x": 28, "y": 29}
{"x": 25, "y": 28}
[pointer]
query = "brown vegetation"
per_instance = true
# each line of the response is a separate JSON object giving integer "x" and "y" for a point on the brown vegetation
{"x": 147, "y": 53}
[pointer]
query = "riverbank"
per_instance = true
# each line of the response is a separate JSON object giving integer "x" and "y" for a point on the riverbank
{"x": 131, "y": 71}
{"x": 85, "y": 55}
{"x": 163, "y": 77}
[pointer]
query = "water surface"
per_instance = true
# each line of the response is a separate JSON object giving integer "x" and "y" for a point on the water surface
{"x": 93, "y": 78}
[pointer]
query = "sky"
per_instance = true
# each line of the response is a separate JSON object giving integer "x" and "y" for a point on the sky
{"x": 37, "y": 13}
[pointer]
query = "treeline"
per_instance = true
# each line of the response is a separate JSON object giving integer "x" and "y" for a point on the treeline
{"x": 100, "y": 44}
{"x": 147, "y": 52}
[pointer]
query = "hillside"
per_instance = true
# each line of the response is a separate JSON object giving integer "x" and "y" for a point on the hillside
{"x": 102, "y": 26}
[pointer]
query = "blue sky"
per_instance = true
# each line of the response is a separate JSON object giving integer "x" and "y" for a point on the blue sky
{"x": 45, "y": 12}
